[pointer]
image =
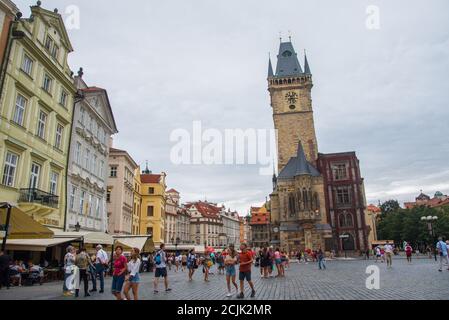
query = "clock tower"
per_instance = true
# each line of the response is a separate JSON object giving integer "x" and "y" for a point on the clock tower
{"x": 290, "y": 91}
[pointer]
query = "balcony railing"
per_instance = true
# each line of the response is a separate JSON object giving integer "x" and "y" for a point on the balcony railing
{"x": 38, "y": 196}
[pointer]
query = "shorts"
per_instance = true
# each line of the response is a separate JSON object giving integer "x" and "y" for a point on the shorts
{"x": 278, "y": 261}
{"x": 230, "y": 271}
{"x": 161, "y": 273}
{"x": 184, "y": 264}
{"x": 135, "y": 279}
{"x": 117, "y": 283}
{"x": 245, "y": 275}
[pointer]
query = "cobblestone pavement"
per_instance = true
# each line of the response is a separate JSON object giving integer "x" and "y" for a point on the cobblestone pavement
{"x": 342, "y": 280}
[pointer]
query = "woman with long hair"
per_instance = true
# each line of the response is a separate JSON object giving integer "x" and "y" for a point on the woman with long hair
{"x": 230, "y": 261}
{"x": 191, "y": 263}
{"x": 118, "y": 276}
{"x": 133, "y": 277}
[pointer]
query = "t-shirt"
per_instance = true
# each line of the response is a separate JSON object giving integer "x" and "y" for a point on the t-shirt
{"x": 245, "y": 257}
{"x": 277, "y": 255}
{"x": 441, "y": 245}
{"x": 408, "y": 249}
{"x": 163, "y": 259}
{"x": 119, "y": 264}
{"x": 388, "y": 248}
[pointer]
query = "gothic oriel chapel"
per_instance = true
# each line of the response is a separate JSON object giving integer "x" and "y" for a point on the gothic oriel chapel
{"x": 318, "y": 199}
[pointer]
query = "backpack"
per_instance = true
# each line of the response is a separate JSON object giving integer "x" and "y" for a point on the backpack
{"x": 158, "y": 258}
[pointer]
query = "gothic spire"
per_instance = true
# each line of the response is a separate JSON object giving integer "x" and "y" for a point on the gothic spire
{"x": 306, "y": 64}
{"x": 270, "y": 68}
{"x": 288, "y": 64}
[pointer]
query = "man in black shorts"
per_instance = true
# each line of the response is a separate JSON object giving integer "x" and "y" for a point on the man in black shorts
{"x": 160, "y": 261}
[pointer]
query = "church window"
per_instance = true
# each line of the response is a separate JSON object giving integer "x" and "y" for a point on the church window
{"x": 343, "y": 196}
{"x": 340, "y": 171}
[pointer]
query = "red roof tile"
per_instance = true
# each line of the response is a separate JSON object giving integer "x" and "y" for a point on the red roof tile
{"x": 150, "y": 178}
{"x": 93, "y": 89}
{"x": 205, "y": 208}
{"x": 373, "y": 208}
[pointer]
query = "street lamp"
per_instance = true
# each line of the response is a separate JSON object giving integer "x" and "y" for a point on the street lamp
{"x": 77, "y": 227}
{"x": 176, "y": 244}
{"x": 430, "y": 220}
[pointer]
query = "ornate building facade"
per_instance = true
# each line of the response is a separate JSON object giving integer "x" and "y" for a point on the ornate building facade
{"x": 303, "y": 202}
{"x": 93, "y": 125}
{"x": 37, "y": 93}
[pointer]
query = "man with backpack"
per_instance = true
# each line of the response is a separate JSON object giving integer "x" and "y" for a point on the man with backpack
{"x": 442, "y": 251}
{"x": 160, "y": 262}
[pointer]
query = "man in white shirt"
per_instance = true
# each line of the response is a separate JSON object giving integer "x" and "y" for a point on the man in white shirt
{"x": 389, "y": 254}
{"x": 101, "y": 264}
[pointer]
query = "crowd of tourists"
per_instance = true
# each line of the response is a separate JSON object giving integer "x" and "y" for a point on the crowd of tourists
{"x": 82, "y": 268}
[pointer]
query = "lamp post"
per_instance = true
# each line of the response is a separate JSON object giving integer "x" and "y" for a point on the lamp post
{"x": 176, "y": 244}
{"x": 77, "y": 227}
{"x": 430, "y": 220}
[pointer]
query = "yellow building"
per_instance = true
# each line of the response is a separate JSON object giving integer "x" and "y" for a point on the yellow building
{"x": 35, "y": 117}
{"x": 137, "y": 203}
{"x": 152, "y": 219}
{"x": 372, "y": 214}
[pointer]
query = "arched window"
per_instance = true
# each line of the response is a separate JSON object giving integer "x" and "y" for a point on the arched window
{"x": 345, "y": 219}
{"x": 348, "y": 243}
{"x": 349, "y": 222}
{"x": 291, "y": 205}
{"x": 305, "y": 199}
{"x": 342, "y": 220}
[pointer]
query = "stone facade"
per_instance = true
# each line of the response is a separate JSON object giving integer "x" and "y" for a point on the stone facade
{"x": 293, "y": 124}
{"x": 301, "y": 205}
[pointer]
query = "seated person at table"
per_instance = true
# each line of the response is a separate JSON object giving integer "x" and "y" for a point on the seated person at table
{"x": 36, "y": 273}
{"x": 15, "y": 272}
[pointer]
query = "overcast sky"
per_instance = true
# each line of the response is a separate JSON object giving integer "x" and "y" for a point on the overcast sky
{"x": 383, "y": 93}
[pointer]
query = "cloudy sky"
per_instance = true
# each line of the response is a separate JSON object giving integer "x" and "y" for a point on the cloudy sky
{"x": 381, "y": 92}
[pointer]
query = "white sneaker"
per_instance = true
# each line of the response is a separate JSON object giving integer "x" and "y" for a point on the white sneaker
{"x": 229, "y": 295}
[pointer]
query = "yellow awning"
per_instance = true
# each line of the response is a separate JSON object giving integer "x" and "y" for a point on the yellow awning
{"x": 22, "y": 226}
{"x": 143, "y": 243}
{"x": 35, "y": 244}
{"x": 86, "y": 236}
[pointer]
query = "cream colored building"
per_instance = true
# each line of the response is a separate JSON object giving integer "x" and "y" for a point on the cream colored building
{"x": 171, "y": 216}
{"x": 120, "y": 192}
{"x": 35, "y": 117}
{"x": 231, "y": 228}
{"x": 206, "y": 224}
{"x": 137, "y": 211}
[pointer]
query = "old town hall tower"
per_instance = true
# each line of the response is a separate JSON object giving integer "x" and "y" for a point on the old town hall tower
{"x": 318, "y": 200}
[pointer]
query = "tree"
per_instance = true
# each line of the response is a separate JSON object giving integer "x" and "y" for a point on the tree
{"x": 406, "y": 225}
{"x": 390, "y": 206}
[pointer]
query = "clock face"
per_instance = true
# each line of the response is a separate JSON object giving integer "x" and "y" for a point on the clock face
{"x": 291, "y": 97}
